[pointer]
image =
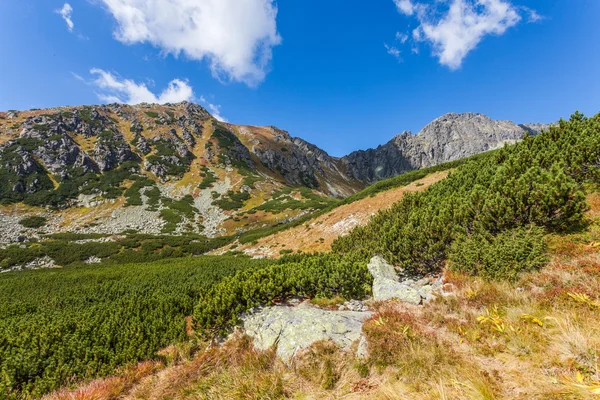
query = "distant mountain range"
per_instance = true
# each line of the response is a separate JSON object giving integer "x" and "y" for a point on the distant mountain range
{"x": 91, "y": 155}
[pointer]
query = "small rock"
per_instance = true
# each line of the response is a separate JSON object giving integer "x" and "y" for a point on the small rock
{"x": 386, "y": 285}
{"x": 362, "y": 351}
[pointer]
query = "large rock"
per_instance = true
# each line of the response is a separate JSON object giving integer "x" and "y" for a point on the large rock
{"x": 296, "y": 328}
{"x": 386, "y": 283}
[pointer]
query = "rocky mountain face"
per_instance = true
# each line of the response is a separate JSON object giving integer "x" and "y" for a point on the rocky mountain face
{"x": 174, "y": 168}
{"x": 448, "y": 138}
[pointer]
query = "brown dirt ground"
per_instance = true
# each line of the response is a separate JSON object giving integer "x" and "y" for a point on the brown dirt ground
{"x": 319, "y": 234}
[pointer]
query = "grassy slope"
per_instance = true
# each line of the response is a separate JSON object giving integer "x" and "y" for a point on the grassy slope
{"x": 319, "y": 232}
{"x": 371, "y": 191}
{"x": 535, "y": 339}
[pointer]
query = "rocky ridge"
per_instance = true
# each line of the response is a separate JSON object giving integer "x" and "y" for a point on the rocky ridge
{"x": 447, "y": 138}
{"x": 103, "y": 158}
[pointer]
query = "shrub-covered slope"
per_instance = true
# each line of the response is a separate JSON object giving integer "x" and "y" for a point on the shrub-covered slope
{"x": 536, "y": 183}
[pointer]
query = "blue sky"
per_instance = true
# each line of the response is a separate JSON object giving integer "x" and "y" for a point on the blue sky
{"x": 343, "y": 74}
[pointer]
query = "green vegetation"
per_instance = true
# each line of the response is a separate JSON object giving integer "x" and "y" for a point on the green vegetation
{"x": 321, "y": 275}
{"x": 56, "y": 325}
{"x": 134, "y": 195}
{"x": 208, "y": 178}
{"x": 232, "y": 200}
{"x": 498, "y": 203}
{"x": 381, "y": 186}
{"x": 33, "y": 222}
{"x": 282, "y": 200}
{"x": 176, "y": 210}
{"x": 134, "y": 248}
{"x": 166, "y": 155}
{"x": 538, "y": 181}
{"x": 503, "y": 256}
{"x": 152, "y": 114}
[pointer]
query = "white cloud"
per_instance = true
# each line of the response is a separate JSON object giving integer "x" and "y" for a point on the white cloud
{"x": 456, "y": 27}
{"x": 115, "y": 89}
{"x": 216, "y": 112}
{"x": 533, "y": 15}
{"x": 66, "y": 12}
{"x": 392, "y": 50}
{"x": 405, "y": 6}
{"x": 401, "y": 37}
{"x": 235, "y": 36}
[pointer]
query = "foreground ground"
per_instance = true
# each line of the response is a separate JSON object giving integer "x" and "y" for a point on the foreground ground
{"x": 537, "y": 338}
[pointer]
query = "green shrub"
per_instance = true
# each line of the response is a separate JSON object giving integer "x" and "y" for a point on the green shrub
{"x": 33, "y": 222}
{"x": 538, "y": 181}
{"x": 503, "y": 256}
{"x": 152, "y": 114}
{"x": 208, "y": 178}
{"x": 232, "y": 200}
{"x": 62, "y": 325}
{"x": 319, "y": 275}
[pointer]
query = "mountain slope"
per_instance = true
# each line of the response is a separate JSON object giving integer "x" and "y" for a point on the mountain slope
{"x": 174, "y": 168}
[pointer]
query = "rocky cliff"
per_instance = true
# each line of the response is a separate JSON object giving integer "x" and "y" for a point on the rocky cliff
{"x": 449, "y": 137}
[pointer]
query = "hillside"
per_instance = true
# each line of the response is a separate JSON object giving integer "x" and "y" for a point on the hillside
{"x": 175, "y": 169}
{"x": 319, "y": 233}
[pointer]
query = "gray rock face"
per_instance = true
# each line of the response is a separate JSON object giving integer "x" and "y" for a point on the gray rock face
{"x": 296, "y": 328}
{"x": 386, "y": 284}
{"x": 448, "y": 138}
{"x": 299, "y": 162}
{"x": 112, "y": 150}
{"x": 57, "y": 151}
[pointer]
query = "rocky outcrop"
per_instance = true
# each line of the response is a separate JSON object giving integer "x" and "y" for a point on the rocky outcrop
{"x": 296, "y": 325}
{"x": 112, "y": 150}
{"x": 386, "y": 284}
{"x": 296, "y": 328}
{"x": 448, "y": 138}
{"x": 47, "y": 139}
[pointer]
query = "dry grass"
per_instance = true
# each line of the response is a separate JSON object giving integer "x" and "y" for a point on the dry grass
{"x": 340, "y": 221}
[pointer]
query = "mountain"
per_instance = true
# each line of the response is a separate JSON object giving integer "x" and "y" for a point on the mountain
{"x": 174, "y": 168}
{"x": 447, "y": 138}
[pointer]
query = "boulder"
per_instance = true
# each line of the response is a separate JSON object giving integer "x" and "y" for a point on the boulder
{"x": 386, "y": 283}
{"x": 296, "y": 328}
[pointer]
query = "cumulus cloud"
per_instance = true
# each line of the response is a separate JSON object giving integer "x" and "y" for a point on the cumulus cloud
{"x": 236, "y": 37}
{"x": 454, "y": 28}
{"x": 111, "y": 88}
{"x": 66, "y": 12}
{"x": 114, "y": 89}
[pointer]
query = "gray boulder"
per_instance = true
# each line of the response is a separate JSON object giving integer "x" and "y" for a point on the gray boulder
{"x": 296, "y": 328}
{"x": 386, "y": 283}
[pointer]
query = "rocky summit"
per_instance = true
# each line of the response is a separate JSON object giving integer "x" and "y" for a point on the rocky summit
{"x": 175, "y": 169}
{"x": 447, "y": 138}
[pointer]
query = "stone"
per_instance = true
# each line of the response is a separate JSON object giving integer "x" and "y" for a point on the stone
{"x": 425, "y": 291}
{"x": 381, "y": 269}
{"x": 388, "y": 289}
{"x": 362, "y": 351}
{"x": 386, "y": 285}
{"x": 296, "y": 328}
